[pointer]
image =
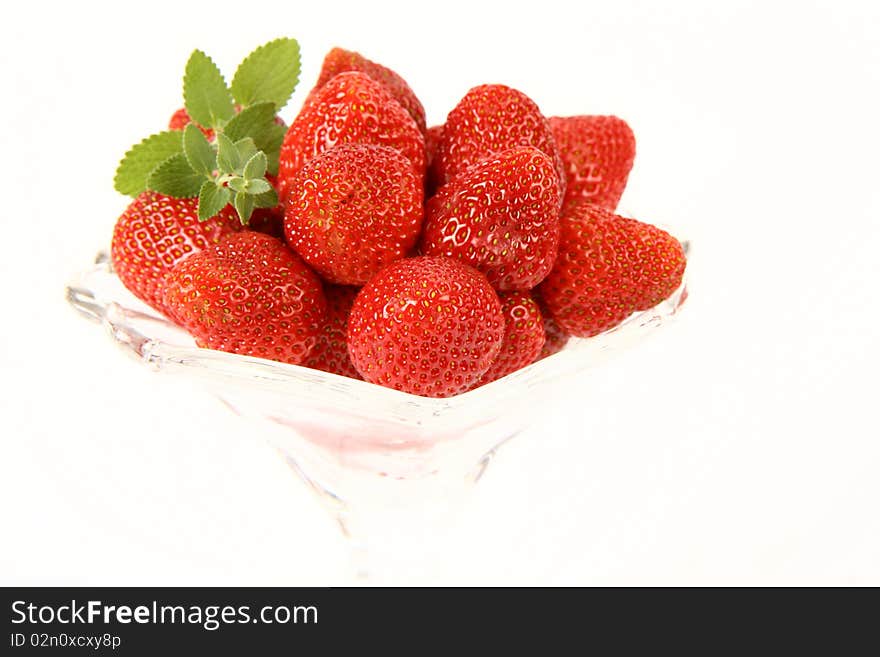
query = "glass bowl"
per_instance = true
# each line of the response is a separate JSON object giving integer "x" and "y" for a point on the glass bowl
{"x": 379, "y": 459}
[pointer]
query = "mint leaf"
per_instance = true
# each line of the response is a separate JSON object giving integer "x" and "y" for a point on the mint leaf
{"x": 258, "y": 123}
{"x": 269, "y": 73}
{"x": 175, "y": 177}
{"x": 252, "y": 186}
{"x": 272, "y": 141}
{"x": 246, "y": 148}
{"x": 141, "y": 159}
{"x": 244, "y": 205}
{"x": 267, "y": 199}
{"x": 255, "y": 167}
{"x": 228, "y": 158}
{"x": 212, "y": 199}
{"x": 252, "y": 122}
{"x": 237, "y": 184}
{"x": 198, "y": 151}
{"x": 205, "y": 95}
{"x": 257, "y": 186}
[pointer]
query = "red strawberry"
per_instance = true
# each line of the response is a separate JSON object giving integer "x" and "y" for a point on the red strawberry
{"x": 248, "y": 295}
{"x": 433, "y": 137}
{"x": 339, "y": 61}
{"x": 598, "y": 153}
{"x": 155, "y": 233}
{"x": 490, "y": 119}
{"x": 353, "y": 209}
{"x": 555, "y": 338}
{"x": 523, "y": 335}
{"x": 430, "y": 326}
{"x": 180, "y": 119}
{"x": 268, "y": 220}
{"x": 330, "y": 353}
{"x": 500, "y": 216}
{"x": 608, "y": 267}
{"x": 351, "y": 108}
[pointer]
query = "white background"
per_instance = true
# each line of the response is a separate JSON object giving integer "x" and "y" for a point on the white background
{"x": 739, "y": 446}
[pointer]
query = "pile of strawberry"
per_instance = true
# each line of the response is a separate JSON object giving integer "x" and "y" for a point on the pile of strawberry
{"x": 360, "y": 242}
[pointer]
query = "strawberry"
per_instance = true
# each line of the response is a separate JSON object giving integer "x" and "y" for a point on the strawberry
{"x": 350, "y": 108}
{"x": 523, "y": 335}
{"x": 430, "y": 326}
{"x": 340, "y": 61}
{"x": 490, "y": 119}
{"x": 598, "y": 154}
{"x": 269, "y": 220}
{"x": 555, "y": 338}
{"x": 608, "y": 267}
{"x": 330, "y": 352}
{"x": 180, "y": 119}
{"x": 501, "y": 216}
{"x": 249, "y": 295}
{"x": 155, "y": 233}
{"x": 353, "y": 209}
{"x": 433, "y": 137}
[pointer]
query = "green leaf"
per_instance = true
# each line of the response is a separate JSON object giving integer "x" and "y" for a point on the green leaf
{"x": 272, "y": 138}
{"x": 272, "y": 147}
{"x": 257, "y": 186}
{"x": 175, "y": 177}
{"x": 269, "y": 73}
{"x": 274, "y": 164}
{"x": 267, "y": 199}
{"x": 244, "y": 205}
{"x": 258, "y": 123}
{"x": 237, "y": 184}
{"x": 205, "y": 95}
{"x": 246, "y": 148}
{"x": 212, "y": 199}
{"x": 141, "y": 159}
{"x": 252, "y": 122}
{"x": 255, "y": 167}
{"x": 228, "y": 158}
{"x": 198, "y": 151}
